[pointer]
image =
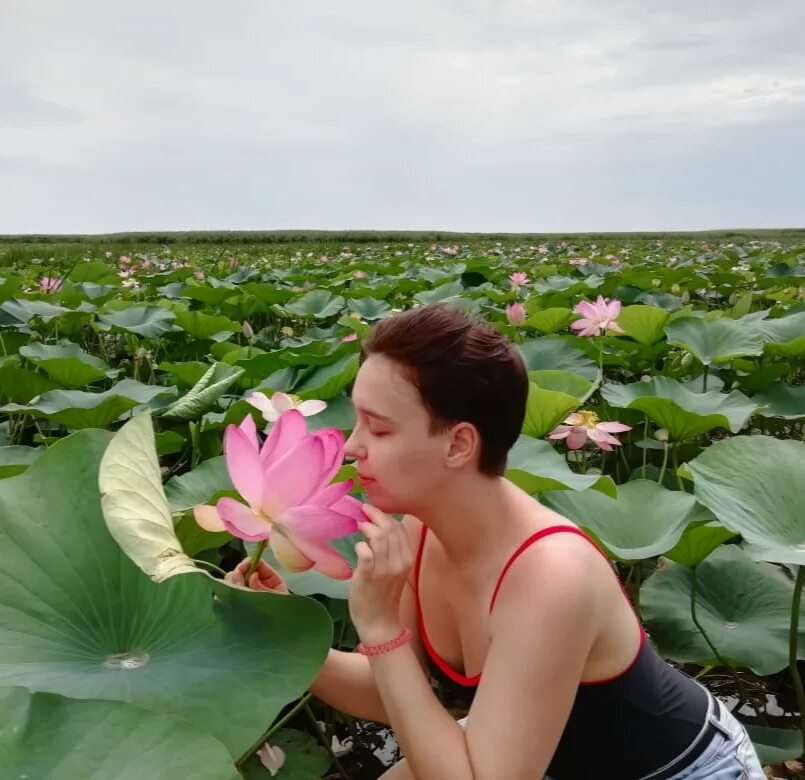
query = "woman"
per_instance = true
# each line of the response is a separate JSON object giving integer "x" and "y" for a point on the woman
{"x": 483, "y": 587}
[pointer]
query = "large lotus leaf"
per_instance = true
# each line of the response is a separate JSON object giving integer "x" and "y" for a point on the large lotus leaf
{"x": 683, "y": 412}
{"x": 12, "y": 340}
{"x": 644, "y": 521}
{"x": 77, "y": 409}
{"x": 545, "y": 409}
{"x": 563, "y": 382}
{"x": 44, "y": 736}
{"x": 645, "y": 324}
{"x": 203, "y": 395}
{"x": 150, "y": 322}
{"x": 550, "y": 320}
{"x": 24, "y": 310}
{"x": 206, "y": 326}
{"x": 211, "y": 296}
{"x": 774, "y": 746}
{"x": 187, "y": 373}
{"x": 535, "y": 466}
{"x": 326, "y": 382}
{"x": 698, "y": 541}
{"x": 782, "y": 401}
{"x": 556, "y": 353}
{"x": 95, "y": 271}
{"x": 66, "y": 363}
{"x": 199, "y": 485}
{"x": 340, "y": 413}
{"x": 79, "y": 619}
{"x": 134, "y": 505}
{"x": 744, "y": 606}
{"x": 20, "y": 385}
{"x": 715, "y": 341}
{"x": 369, "y": 308}
{"x": 316, "y": 303}
{"x": 785, "y": 335}
{"x": 443, "y": 292}
{"x": 14, "y": 459}
{"x": 756, "y": 485}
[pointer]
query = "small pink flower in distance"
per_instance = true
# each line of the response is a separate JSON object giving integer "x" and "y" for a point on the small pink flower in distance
{"x": 518, "y": 279}
{"x": 124, "y": 260}
{"x": 108, "y": 254}
{"x": 360, "y": 275}
{"x": 597, "y": 317}
{"x": 199, "y": 275}
{"x": 49, "y": 284}
{"x": 582, "y": 427}
{"x": 515, "y": 314}
{"x": 350, "y": 337}
{"x": 234, "y": 263}
{"x": 146, "y": 265}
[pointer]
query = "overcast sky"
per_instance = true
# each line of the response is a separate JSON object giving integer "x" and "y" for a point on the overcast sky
{"x": 477, "y": 115}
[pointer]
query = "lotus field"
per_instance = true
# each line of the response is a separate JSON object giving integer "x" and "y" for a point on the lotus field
{"x": 166, "y": 412}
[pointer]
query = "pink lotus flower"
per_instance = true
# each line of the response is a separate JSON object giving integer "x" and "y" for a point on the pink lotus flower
{"x": 279, "y": 403}
{"x": 291, "y": 503}
{"x": 597, "y": 317}
{"x": 234, "y": 263}
{"x": 360, "y": 275}
{"x": 199, "y": 275}
{"x": 350, "y": 337}
{"x": 518, "y": 279}
{"x": 582, "y": 427}
{"x": 49, "y": 284}
{"x": 515, "y": 314}
{"x": 124, "y": 260}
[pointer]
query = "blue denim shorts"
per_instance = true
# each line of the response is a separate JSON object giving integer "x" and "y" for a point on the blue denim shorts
{"x": 730, "y": 755}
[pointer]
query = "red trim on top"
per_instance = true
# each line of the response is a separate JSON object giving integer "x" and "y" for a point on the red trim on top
{"x": 473, "y": 681}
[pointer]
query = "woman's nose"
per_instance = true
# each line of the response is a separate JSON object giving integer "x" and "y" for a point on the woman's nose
{"x": 352, "y": 448}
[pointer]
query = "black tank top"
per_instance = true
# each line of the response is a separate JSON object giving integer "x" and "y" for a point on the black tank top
{"x": 623, "y": 727}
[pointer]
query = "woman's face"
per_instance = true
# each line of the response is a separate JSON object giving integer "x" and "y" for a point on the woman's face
{"x": 401, "y": 464}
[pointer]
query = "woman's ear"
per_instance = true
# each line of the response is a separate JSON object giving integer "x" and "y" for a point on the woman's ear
{"x": 464, "y": 445}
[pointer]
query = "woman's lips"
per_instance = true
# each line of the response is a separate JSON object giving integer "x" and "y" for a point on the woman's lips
{"x": 365, "y": 480}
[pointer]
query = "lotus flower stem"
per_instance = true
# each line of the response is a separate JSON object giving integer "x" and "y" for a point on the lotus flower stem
{"x": 274, "y": 727}
{"x": 664, "y": 464}
{"x": 255, "y": 560}
{"x": 675, "y": 461}
{"x": 704, "y": 380}
{"x": 793, "y": 638}
{"x": 325, "y": 744}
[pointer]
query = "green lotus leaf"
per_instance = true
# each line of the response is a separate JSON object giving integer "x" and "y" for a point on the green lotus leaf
{"x": 186, "y": 373}
{"x": 545, "y": 409}
{"x": 774, "y": 746}
{"x": 535, "y": 466}
{"x": 218, "y": 378}
{"x": 340, "y": 413}
{"x": 206, "y": 326}
{"x": 444, "y": 292}
{"x": 198, "y": 486}
{"x": 369, "y": 308}
{"x": 644, "y": 521}
{"x": 557, "y": 354}
{"x": 86, "y": 623}
{"x": 743, "y": 605}
{"x": 756, "y": 485}
{"x": 14, "y": 459}
{"x": 550, "y": 320}
{"x": 715, "y": 341}
{"x": 326, "y": 382}
{"x": 785, "y": 335}
{"x": 645, "y": 324}
{"x": 683, "y": 412}
{"x": 47, "y": 736}
{"x": 66, "y": 363}
{"x": 316, "y": 303}
{"x": 150, "y": 322}
{"x": 782, "y": 401}
{"x": 77, "y": 409}
{"x": 20, "y": 385}
{"x": 95, "y": 271}
{"x": 698, "y": 541}
{"x": 563, "y": 382}
{"x": 210, "y": 296}
{"x": 25, "y": 310}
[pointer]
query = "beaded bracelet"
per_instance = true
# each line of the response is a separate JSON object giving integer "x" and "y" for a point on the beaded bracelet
{"x": 384, "y": 647}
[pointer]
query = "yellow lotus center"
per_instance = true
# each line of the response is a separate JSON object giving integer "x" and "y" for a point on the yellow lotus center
{"x": 588, "y": 419}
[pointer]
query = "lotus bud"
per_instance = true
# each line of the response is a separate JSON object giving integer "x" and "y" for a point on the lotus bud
{"x": 661, "y": 434}
{"x": 676, "y": 289}
{"x": 656, "y": 283}
{"x": 248, "y": 331}
{"x": 733, "y": 299}
{"x": 685, "y": 296}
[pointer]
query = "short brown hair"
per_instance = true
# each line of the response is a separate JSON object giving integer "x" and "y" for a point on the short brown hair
{"x": 465, "y": 371}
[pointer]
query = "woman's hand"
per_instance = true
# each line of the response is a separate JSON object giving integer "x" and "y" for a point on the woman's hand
{"x": 265, "y": 578}
{"x": 384, "y": 560}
